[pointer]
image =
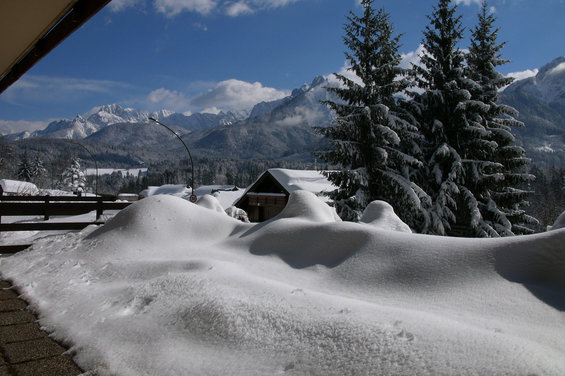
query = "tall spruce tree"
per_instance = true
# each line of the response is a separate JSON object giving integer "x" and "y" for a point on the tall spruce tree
{"x": 370, "y": 139}
{"x": 38, "y": 171}
{"x": 504, "y": 200}
{"x": 24, "y": 171}
{"x": 456, "y": 143}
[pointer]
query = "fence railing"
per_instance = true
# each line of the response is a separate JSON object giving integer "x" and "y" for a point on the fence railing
{"x": 50, "y": 206}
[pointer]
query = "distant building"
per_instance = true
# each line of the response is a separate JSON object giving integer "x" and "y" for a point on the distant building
{"x": 268, "y": 196}
{"x": 17, "y": 188}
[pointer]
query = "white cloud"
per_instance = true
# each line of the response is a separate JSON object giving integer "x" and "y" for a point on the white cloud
{"x": 303, "y": 115}
{"x": 8, "y": 126}
{"x": 523, "y": 74}
{"x": 492, "y": 9}
{"x": 162, "y": 98}
{"x": 468, "y": 2}
{"x": 171, "y": 8}
{"x": 211, "y": 110}
{"x": 236, "y": 94}
{"x": 242, "y": 7}
{"x": 200, "y": 26}
{"x": 412, "y": 57}
{"x": 47, "y": 89}
{"x": 238, "y": 9}
{"x": 345, "y": 71}
{"x": 119, "y": 5}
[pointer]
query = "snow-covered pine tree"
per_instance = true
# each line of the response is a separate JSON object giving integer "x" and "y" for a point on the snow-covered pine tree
{"x": 73, "y": 177}
{"x": 455, "y": 138}
{"x": 24, "y": 171}
{"x": 370, "y": 137}
{"x": 38, "y": 171}
{"x": 502, "y": 200}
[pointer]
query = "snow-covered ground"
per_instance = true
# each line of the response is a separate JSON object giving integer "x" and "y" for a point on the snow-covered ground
{"x": 167, "y": 287}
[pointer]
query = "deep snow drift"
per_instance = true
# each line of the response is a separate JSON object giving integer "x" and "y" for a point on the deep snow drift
{"x": 171, "y": 288}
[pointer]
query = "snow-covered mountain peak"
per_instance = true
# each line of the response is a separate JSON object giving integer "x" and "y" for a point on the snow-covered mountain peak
{"x": 548, "y": 85}
{"x": 162, "y": 114}
{"x": 550, "y": 70}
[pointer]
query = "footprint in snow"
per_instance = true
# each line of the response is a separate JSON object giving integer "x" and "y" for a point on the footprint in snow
{"x": 405, "y": 336}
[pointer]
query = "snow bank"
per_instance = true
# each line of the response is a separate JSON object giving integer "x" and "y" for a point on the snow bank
{"x": 210, "y": 202}
{"x": 559, "y": 222}
{"x": 307, "y": 206}
{"x": 225, "y": 194}
{"x": 381, "y": 214}
{"x": 18, "y": 187}
{"x": 171, "y": 288}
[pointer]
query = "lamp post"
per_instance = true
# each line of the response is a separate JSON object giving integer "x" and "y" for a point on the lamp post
{"x": 95, "y": 165}
{"x": 192, "y": 195}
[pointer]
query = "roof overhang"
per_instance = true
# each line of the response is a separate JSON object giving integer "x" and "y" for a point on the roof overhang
{"x": 30, "y": 29}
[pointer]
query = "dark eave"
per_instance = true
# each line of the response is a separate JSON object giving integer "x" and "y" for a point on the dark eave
{"x": 30, "y": 29}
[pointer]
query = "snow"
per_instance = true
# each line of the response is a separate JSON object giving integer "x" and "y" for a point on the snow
{"x": 559, "y": 222}
{"x": 225, "y": 194}
{"x": 308, "y": 180}
{"x": 18, "y": 187}
{"x": 382, "y": 215}
{"x": 167, "y": 287}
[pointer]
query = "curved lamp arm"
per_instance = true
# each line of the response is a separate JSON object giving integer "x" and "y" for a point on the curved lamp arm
{"x": 186, "y": 147}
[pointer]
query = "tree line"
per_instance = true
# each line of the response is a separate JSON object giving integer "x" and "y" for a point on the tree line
{"x": 442, "y": 153}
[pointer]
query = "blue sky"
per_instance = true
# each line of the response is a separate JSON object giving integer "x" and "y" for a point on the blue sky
{"x": 205, "y": 55}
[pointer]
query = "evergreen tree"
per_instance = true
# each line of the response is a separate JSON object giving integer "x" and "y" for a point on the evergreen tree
{"x": 74, "y": 178}
{"x": 38, "y": 171}
{"x": 24, "y": 168}
{"x": 6, "y": 157}
{"x": 502, "y": 200}
{"x": 456, "y": 142}
{"x": 371, "y": 139}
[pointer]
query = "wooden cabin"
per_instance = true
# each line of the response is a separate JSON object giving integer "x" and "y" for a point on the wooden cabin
{"x": 268, "y": 195}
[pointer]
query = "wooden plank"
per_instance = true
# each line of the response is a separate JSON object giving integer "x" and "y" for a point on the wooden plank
{"x": 116, "y": 205}
{"x": 46, "y": 226}
{"x": 57, "y": 208}
{"x": 9, "y": 249}
{"x": 58, "y": 198}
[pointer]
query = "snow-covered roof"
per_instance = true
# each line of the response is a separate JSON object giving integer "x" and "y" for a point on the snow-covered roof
{"x": 179, "y": 190}
{"x": 18, "y": 187}
{"x": 307, "y": 180}
{"x": 225, "y": 194}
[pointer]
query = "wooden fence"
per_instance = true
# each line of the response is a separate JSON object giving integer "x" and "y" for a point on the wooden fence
{"x": 49, "y": 206}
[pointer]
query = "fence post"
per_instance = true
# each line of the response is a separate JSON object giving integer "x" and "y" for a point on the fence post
{"x": 99, "y": 208}
{"x": 46, "y": 213}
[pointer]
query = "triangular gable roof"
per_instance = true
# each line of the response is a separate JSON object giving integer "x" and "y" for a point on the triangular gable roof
{"x": 293, "y": 180}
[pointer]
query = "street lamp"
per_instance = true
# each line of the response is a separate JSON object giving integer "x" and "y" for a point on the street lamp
{"x": 192, "y": 195}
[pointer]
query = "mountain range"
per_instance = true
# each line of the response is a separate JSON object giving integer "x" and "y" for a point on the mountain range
{"x": 282, "y": 129}
{"x": 541, "y": 103}
{"x": 277, "y": 129}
